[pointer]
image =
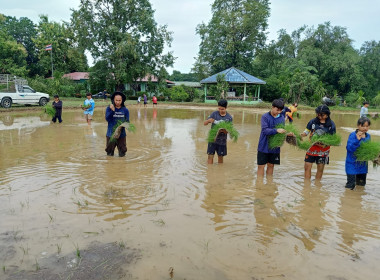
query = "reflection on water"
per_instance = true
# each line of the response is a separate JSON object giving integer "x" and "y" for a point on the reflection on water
{"x": 58, "y": 188}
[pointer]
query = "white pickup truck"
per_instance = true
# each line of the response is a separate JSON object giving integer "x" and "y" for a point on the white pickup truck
{"x": 23, "y": 94}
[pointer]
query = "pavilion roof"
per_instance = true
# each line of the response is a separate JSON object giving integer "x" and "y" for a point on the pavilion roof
{"x": 234, "y": 76}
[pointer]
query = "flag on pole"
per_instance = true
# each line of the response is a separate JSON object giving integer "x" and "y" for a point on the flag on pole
{"x": 49, "y": 47}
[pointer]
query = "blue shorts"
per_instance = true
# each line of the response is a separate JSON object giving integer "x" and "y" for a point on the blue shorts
{"x": 221, "y": 150}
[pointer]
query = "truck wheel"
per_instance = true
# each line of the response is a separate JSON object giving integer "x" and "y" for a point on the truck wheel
{"x": 43, "y": 101}
{"x": 6, "y": 102}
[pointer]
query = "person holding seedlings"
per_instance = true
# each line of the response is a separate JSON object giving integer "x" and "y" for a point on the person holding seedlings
{"x": 220, "y": 144}
{"x": 57, "y": 105}
{"x": 266, "y": 156}
{"x": 357, "y": 170}
{"x": 116, "y": 113}
{"x": 318, "y": 152}
{"x": 364, "y": 109}
{"x": 293, "y": 109}
{"x": 88, "y": 107}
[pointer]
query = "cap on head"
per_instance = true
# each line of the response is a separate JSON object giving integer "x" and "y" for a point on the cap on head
{"x": 123, "y": 98}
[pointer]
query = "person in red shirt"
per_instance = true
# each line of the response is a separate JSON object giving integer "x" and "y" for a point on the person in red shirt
{"x": 154, "y": 99}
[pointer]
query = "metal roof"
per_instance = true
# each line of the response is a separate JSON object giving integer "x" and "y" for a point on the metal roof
{"x": 76, "y": 76}
{"x": 234, "y": 76}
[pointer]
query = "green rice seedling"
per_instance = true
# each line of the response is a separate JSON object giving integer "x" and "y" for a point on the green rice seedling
{"x": 369, "y": 150}
{"x": 49, "y": 110}
{"x": 327, "y": 139}
{"x": 77, "y": 251}
{"x": 121, "y": 244}
{"x": 59, "y": 248}
{"x": 116, "y": 130}
{"x": 304, "y": 145}
{"x": 278, "y": 139}
{"x": 228, "y": 126}
{"x": 4, "y": 268}
{"x": 37, "y": 265}
{"x": 51, "y": 217}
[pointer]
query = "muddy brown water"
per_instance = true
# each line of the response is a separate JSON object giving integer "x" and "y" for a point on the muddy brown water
{"x": 171, "y": 214}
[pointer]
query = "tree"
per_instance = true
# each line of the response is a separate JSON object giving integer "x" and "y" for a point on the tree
{"x": 233, "y": 36}
{"x": 24, "y": 31}
{"x": 67, "y": 56}
{"x": 12, "y": 54}
{"x": 125, "y": 34}
{"x": 370, "y": 66}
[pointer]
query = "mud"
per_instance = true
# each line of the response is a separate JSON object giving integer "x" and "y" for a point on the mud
{"x": 161, "y": 212}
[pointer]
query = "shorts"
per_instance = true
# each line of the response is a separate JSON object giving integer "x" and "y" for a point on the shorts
{"x": 88, "y": 117}
{"x": 356, "y": 180}
{"x": 317, "y": 159}
{"x": 264, "y": 158}
{"x": 221, "y": 150}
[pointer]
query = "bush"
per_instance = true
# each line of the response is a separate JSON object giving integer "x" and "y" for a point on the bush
{"x": 132, "y": 97}
{"x": 178, "y": 94}
{"x": 161, "y": 98}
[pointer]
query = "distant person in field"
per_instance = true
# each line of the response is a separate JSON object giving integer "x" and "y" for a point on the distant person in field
{"x": 154, "y": 100}
{"x": 293, "y": 109}
{"x": 57, "y": 105}
{"x": 364, "y": 109}
{"x": 88, "y": 107}
{"x": 145, "y": 100}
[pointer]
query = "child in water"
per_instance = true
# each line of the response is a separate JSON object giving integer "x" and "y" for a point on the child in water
{"x": 357, "y": 170}
{"x": 318, "y": 153}
{"x": 220, "y": 144}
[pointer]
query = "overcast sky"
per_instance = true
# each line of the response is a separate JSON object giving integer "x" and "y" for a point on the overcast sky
{"x": 361, "y": 18}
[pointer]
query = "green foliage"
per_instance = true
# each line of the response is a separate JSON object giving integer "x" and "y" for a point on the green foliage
{"x": 58, "y": 85}
{"x": 125, "y": 34}
{"x": 232, "y": 37}
{"x": 228, "y": 126}
{"x": 368, "y": 150}
{"x": 376, "y": 100}
{"x": 178, "y": 76}
{"x": 12, "y": 56}
{"x": 221, "y": 86}
{"x": 178, "y": 93}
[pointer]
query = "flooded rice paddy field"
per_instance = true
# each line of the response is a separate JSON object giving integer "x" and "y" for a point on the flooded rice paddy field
{"x": 67, "y": 211}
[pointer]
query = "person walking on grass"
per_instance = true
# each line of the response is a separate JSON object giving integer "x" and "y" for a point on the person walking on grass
{"x": 220, "y": 144}
{"x": 88, "y": 108}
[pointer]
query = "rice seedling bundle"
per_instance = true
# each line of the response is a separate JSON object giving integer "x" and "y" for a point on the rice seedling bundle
{"x": 327, "y": 139}
{"x": 369, "y": 150}
{"x": 217, "y": 128}
{"x": 49, "y": 110}
{"x": 118, "y": 127}
{"x": 278, "y": 139}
